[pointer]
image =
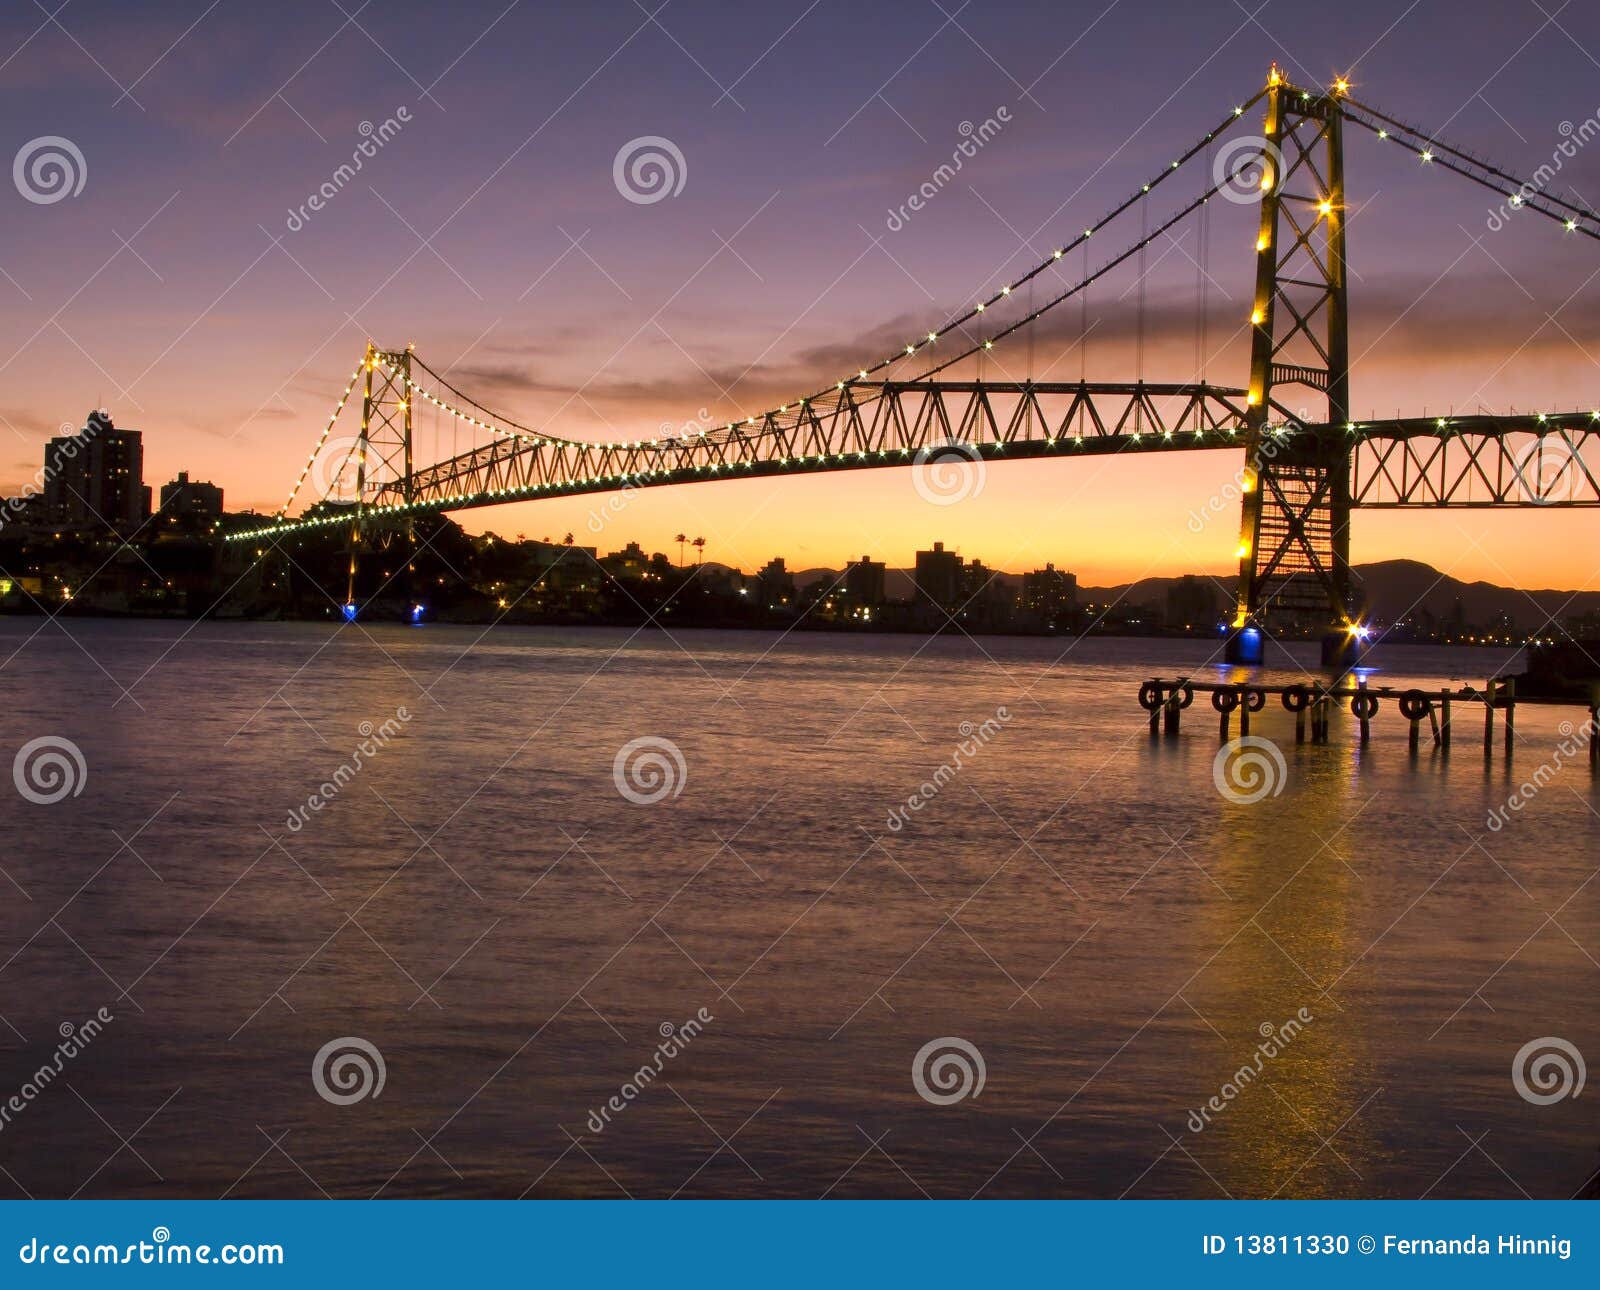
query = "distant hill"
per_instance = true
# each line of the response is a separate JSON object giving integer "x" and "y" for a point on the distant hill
{"x": 1390, "y": 588}
{"x": 1396, "y": 588}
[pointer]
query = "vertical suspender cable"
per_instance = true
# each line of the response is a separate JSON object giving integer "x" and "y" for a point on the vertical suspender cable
{"x": 1083, "y": 321}
{"x": 1138, "y": 362}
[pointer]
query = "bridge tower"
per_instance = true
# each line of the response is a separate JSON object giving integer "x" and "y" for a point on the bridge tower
{"x": 383, "y": 450}
{"x": 1294, "y": 529}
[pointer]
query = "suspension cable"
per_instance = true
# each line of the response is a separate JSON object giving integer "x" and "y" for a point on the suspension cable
{"x": 512, "y": 429}
{"x": 326, "y": 430}
{"x": 496, "y": 423}
{"x": 1524, "y": 195}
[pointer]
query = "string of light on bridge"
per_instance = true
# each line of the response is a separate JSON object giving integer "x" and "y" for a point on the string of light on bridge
{"x": 507, "y": 427}
{"x": 326, "y": 430}
{"x": 741, "y": 434}
{"x": 541, "y": 439}
{"x": 1430, "y": 151}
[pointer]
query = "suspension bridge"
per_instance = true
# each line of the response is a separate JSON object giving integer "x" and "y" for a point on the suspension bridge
{"x": 1302, "y": 471}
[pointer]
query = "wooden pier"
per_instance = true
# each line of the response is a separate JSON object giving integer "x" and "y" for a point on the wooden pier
{"x": 1313, "y": 703}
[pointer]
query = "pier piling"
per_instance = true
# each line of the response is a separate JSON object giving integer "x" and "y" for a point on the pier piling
{"x": 1312, "y": 705}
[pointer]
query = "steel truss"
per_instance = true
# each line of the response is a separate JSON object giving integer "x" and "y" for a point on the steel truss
{"x": 1478, "y": 461}
{"x": 869, "y": 425}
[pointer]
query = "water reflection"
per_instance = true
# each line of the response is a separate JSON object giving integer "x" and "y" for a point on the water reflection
{"x": 1078, "y": 901}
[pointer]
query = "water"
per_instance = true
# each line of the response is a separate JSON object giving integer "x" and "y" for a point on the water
{"x": 481, "y": 904}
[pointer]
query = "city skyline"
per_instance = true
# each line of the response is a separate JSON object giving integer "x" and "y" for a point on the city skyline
{"x": 200, "y": 298}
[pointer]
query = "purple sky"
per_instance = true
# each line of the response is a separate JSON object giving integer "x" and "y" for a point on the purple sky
{"x": 490, "y": 233}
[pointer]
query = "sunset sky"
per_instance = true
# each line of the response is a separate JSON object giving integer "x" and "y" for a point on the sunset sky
{"x": 178, "y": 289}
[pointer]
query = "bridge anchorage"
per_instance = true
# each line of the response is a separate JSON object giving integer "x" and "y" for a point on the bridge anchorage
{"x": 1304, "y": 469}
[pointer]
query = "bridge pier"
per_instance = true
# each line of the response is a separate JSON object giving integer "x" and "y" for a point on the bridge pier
{"x": 1245, "y": 646}
{"x": 1344, "y": 648}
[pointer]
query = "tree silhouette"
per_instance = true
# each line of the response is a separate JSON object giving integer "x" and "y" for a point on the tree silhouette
{"x": 680, "y": 540}
{"x": 699, "y": 545}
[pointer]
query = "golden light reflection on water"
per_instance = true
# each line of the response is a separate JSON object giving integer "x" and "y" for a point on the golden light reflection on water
{"x": 1302, "y": 1084}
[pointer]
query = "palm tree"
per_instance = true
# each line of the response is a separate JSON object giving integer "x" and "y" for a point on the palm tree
{"x": 699, "y": 545}
{"x": 680, "y": 540}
